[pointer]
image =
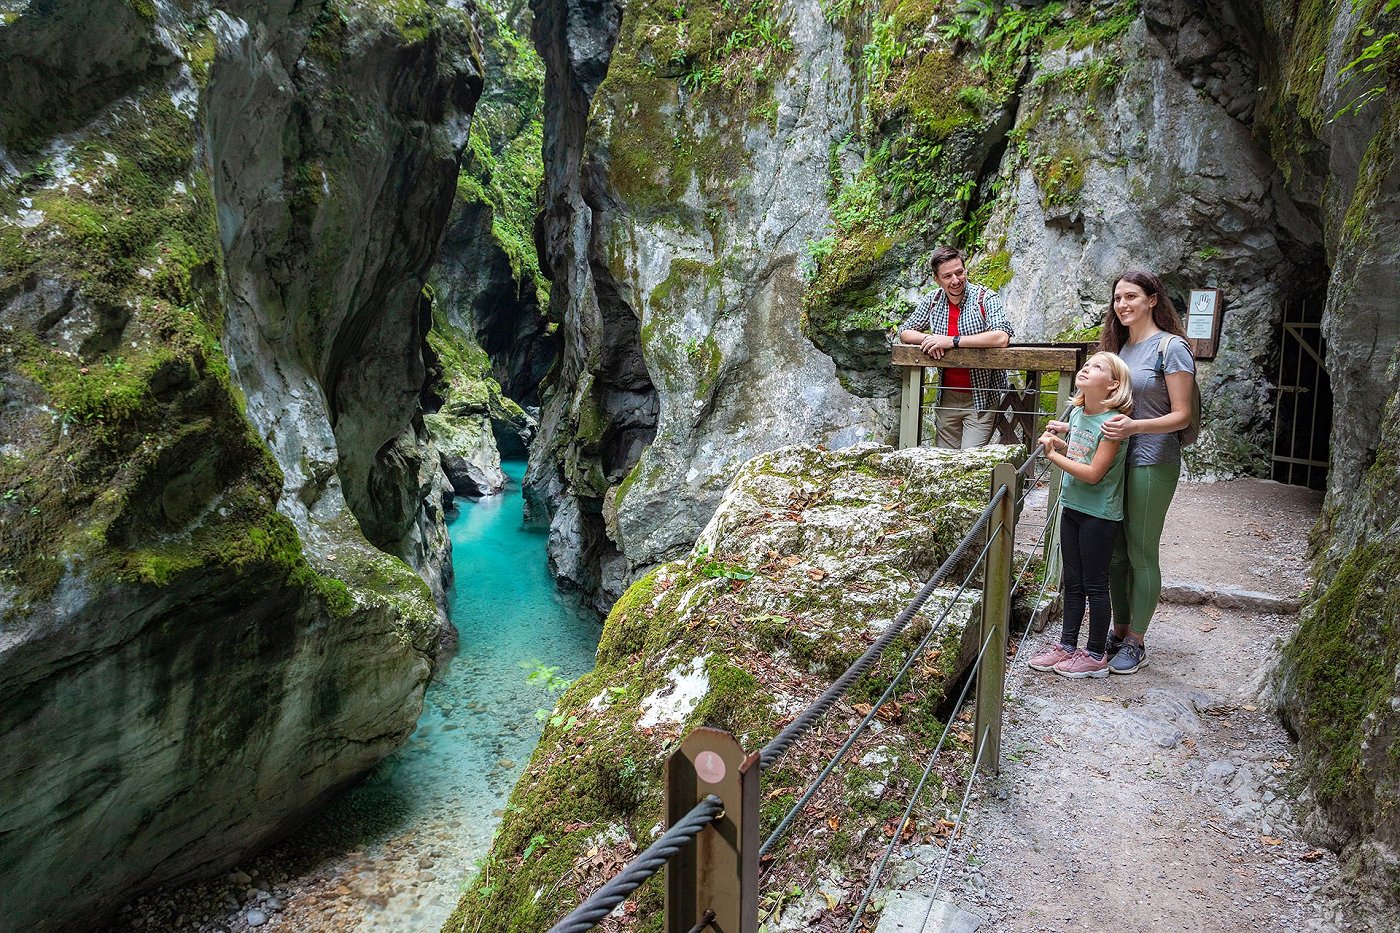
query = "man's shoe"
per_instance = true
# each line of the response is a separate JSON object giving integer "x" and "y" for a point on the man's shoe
{"x": 1129, "y": 658}
{"x": 1082, "y": 664}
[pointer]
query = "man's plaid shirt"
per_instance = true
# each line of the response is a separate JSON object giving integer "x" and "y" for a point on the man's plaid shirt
{"x": 981, "y": 311}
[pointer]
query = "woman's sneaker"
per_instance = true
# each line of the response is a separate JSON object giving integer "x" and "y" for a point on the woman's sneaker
{"x": 1046, "y": 658}
{"x": 1082, "y": 664}
{"x": 1129, "y": 658}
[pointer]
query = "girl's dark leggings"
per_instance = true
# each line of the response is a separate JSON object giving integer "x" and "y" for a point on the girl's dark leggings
{"x": 1087, "y": 545}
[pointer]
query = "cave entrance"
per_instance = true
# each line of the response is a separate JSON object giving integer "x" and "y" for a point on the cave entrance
{"x": 1303, "y": 399}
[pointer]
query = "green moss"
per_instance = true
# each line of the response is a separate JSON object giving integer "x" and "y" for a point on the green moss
{"x": 992, "y": 269}
{"x": 1343, "y": 658}
{"x": 678, "y": 67}
{"x": 1060, "y": 174}
{"x": 200, "y": 55}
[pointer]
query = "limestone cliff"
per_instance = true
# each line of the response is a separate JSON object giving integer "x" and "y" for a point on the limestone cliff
{"x": 676, "y": 215}
{"x": 215, "y": 225}
{"x": 491, "y": 333}
{"x": 1340, "y": 679}
{"x": 810, "y": 554}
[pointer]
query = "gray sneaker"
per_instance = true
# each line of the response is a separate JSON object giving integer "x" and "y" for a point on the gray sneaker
{"x": 1129, "y": 658}
{"x": 1113, "y": 645}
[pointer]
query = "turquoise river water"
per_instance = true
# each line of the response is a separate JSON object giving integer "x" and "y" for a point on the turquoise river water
{"x": 391, "y": 854}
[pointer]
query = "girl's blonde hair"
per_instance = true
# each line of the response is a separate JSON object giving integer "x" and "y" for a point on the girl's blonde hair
{"x": 1121, "y": 399}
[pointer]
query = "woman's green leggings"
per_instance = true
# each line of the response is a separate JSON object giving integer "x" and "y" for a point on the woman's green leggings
{"x": 1134, "y": 574}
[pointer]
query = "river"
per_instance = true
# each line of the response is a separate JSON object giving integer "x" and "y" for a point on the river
{"x": 392, "y": 853}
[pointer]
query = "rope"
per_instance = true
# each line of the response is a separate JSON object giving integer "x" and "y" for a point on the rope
{"x": 799, "y": 726}
{"x": 870, "y": 716}
{"x": 603, "y": 901}
{"x": 913, "y": 799}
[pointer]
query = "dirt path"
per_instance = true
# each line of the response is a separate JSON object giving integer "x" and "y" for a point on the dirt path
{"x": 1161, "y": 801}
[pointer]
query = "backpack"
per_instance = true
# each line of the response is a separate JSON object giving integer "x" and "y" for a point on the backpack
{"x": 1188, "y": 434}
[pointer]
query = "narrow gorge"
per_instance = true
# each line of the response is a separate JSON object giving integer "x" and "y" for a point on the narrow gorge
{"x": 292, "y": 293}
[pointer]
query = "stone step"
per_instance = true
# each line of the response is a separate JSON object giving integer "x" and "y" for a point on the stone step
{"x": 1226, "y": 597}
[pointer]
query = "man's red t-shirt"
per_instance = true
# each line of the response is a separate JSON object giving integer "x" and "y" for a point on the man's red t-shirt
{"x": 955, "y": 378}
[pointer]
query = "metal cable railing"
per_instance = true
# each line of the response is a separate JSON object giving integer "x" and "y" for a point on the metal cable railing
{"x": 918, "y": 789}
{"x": 870, "y": 716}
{"x": 784, "y": 740}
{"x": 603, "y": 901}
{"x": 614, "y": 892}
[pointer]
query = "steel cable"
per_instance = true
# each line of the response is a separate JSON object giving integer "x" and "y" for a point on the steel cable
{"x": 914, "y": 797}
{"x": 870, "y": 716}
{"x": 604, "y": 900}
{"x": 1049, "y": 518}
{"x": 776, "y": 748}
{"x": 953, "y": 836}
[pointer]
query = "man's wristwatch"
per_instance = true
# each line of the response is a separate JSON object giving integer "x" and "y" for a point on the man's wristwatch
{"x": 956, "y": 340}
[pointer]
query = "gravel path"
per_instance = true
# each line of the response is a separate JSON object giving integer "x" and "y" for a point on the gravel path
{"x": 1164, "y": 800}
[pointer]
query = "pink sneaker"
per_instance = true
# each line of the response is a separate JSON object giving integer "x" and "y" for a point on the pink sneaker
{"x": 1082, "y": 664}
{"x": 1046, "y": 658}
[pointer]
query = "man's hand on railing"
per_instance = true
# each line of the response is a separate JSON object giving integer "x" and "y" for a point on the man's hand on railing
{"x": 935, "y": 345}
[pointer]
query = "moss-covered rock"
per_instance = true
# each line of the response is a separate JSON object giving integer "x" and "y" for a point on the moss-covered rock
{"x": 199, "y": 642}
{"x": 811, "y": 553}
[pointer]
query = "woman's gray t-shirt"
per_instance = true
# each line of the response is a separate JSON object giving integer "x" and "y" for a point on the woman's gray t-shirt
{"x": 1150, "y": 398}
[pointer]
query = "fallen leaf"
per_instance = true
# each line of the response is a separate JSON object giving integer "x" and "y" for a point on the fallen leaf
{"x": 1250, "y": 707}
{"x": 1312, "y": 856}
{"x": 1208, "y": 627}
{"x": 833, "y": 824}
{"x": 830, "y": 900}
{"x": 1105, "y": 698}
{"x": 816, "y": 573}
{"x": 1271, "y": 840}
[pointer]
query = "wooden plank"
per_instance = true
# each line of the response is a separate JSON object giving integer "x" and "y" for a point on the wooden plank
{"x": 1044, "y": 359}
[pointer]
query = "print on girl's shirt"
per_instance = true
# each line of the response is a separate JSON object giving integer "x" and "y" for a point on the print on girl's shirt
{"x": 1082, "y": 442}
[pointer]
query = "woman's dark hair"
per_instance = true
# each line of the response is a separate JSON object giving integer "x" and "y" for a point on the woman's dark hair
{"x": 941, "y": 255}
{"x": 1164, "y": 315}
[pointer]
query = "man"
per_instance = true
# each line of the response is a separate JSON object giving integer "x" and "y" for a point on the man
{"x": 961, "y": 314}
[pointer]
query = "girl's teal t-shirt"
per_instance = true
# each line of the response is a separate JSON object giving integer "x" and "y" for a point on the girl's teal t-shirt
{"x": 1103, "y": 499}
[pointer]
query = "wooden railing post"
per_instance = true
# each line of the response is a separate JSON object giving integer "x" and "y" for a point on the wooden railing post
{"x": 719, "y": 871}
{"x": 996, "y": 617}
{"x": 911, "y": 407}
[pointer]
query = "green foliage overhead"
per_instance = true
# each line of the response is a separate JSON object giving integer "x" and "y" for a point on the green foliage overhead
{"x": 936, "y": 76}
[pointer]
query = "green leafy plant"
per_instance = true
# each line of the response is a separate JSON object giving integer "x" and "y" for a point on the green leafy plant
{"x": 1380, "y": 57}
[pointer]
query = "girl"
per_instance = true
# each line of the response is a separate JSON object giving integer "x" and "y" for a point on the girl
{"x": 1092, "y": 496}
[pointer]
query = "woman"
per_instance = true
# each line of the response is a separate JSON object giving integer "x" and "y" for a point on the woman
{"x": 1162, "y": 390}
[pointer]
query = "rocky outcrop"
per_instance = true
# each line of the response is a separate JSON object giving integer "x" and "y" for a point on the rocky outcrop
{"x": 215, "y": 224}
{"x": 676, "y": 217}
{"x": 488, "y": 280}
{"x": 809, "y": 555}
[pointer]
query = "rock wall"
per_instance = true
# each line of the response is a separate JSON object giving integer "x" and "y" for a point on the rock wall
{"x": 1339, "y": 683}
{"x": 676, "y": 216}
{"x": 215, "y": 223}
{"x": 809, "y": 555}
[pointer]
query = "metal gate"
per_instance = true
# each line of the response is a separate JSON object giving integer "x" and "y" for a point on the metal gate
{"x": 1303, "y": 410}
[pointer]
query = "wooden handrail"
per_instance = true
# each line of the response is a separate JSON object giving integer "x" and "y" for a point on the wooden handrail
{"x": 1036, "y": 359}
